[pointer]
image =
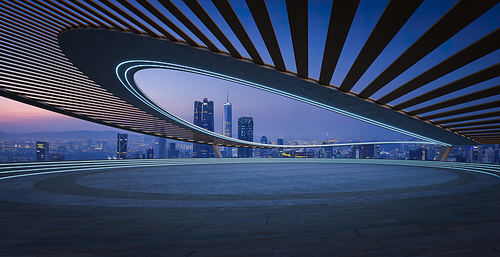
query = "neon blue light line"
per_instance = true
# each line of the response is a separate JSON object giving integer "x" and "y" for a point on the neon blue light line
{"x": 136, "y": 91}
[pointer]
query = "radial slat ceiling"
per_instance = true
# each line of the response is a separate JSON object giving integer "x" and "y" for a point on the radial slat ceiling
{"x": 30, "y": 30}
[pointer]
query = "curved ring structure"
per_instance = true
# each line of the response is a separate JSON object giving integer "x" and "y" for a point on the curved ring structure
{"x": 97, "y": 54}
{"x": 61, "y": 57}
{"x": 125, "y": 72}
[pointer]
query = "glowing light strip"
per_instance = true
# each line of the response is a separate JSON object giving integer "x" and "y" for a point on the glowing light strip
{"x": 131, "y": 65}
{"x": 488, "y": 169}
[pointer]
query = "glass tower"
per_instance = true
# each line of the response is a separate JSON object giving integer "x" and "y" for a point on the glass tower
{"x": 245, "y": 132}
{"x": 204, "y": 118}
{"x": 160, "y": 148}
{"x": 227, "y": 125}
{"x": 42, "y": 151}
{"x": 121, "y": 146}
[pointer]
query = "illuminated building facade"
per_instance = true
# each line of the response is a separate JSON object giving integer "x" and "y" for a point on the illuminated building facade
{"x": 150, "y": 153}
{"x": 418, "y": 154}
{"x": 363, "y": 152}
{"x": 121, "y": 146}
{"x": 227, "y": 125}
{"x": 204, "y": 118}
{"x": 245, "y": 132}
{"x": 161, "y": 148}
{"x": 42, "y": 151}
{"x": 172, "y": 152}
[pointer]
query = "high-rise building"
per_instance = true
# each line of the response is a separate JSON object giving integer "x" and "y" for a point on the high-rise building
{"x": 150, "y": 153}
{"x": 228, "y": 119}
{"x": 245, "y": 132}
{"x": 264, "y": 152}
{"x": 227, "y": 125}
{"x": 160, "y": 148}
{"x": 121, "y": 146}
{"x": 377, "y": 152}
{"x": 363, "y": 151}
{"x": 172, "y": 152}
{"x": 42, "y": 151}
{"x": 204, "y": 118}
{"x": 418, "y": 154}
{"x": 279, "y": 151}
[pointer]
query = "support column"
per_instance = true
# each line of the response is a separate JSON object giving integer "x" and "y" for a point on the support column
{"x": 216, "y": 151}
{"x": 444, "y": 152}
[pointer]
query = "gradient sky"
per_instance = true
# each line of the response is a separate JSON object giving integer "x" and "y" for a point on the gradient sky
{"x": 276, "y": 116}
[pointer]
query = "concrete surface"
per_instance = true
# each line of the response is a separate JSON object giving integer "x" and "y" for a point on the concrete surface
{"x": 387, "y": 211}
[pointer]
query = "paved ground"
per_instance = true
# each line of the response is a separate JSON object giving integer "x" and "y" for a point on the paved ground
{"x": 253, "y": 209}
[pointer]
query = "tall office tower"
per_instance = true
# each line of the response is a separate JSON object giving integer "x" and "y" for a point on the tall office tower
{"x": 227, "y": 126}
{"x": 377, "y": 152}
{"x": 160, "y": 148}
{"x": 204, "y": 118}
{"x": 418, "y": 154}
{"x": 327, "y": 151}
{"x": 172, "y": 152}
{"x": 263, "y": 152}
{"x": 121, "y": 146}
{"x": 245, "y": 132}
{"x": 150, "y": 153}
{"x": 228, "y": 119}
{"x": 42, "y": 151}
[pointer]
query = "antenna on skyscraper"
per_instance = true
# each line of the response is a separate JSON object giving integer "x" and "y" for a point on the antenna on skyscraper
{"x": 227, "y": 96}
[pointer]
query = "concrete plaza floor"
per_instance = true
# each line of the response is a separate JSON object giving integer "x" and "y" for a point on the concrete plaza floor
{"x": 252, "y": 208}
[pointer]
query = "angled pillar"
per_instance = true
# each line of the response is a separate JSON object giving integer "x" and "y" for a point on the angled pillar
{"x": 444, "y": 152}
{"x": 216, "y": 151}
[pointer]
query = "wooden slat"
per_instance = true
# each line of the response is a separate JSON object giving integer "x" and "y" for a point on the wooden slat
{"x": 260, "y": 15}
{"x": 394, "y": 17}
{"x": 470, "y": 80}
{"x": 475, "y": 108}
{"x": 459, "y": 100}
{"x": 474, "y": 51}
{"x": 458, "y": 17}
{"x": 26, "y": 11}
{"x": 472, "y": 133}
{"x": 470, "y": 117}
{"x": 341, "y": 18}
{"x": 145, "y": 18}
{"x": 94, "y": 13}
{"x": 234, "y": 23}
{"x": 476, "y": 123}
{"x": 129, "y": 17}
{"x": 167, "y": 22}
{"x": 111, "y": 15}
{"x": 72, "y": 17}
{"x": 77, "y": 10}
{"x": 198, "y": 10}
{"x": 478, "y": 128}
{"x": 299, "y": 30}
{"x": 184, "y": 20}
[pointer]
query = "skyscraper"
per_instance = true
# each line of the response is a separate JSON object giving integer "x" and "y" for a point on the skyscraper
{"x": 245, "y": 132}
{"x": 121, "y": 146}
{"x": 227, "y": 125}
{"x": 172, "y": 152}
{"x": 42, "y": 151}
{"x": 160, "y": 148}
{"x": 228, "y": 119}
{"x": 150, "y": 153}
{"x": 204, "y": 118}
{"x": 264, "y": 152}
